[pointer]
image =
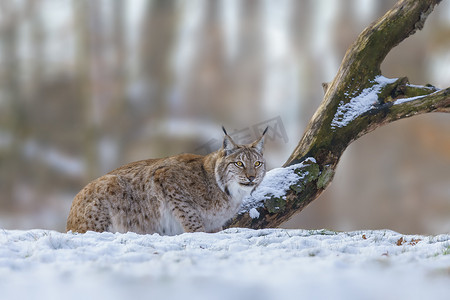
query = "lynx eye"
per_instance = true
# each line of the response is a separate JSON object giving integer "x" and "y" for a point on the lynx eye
{"x": 257, "y": 163}
{"x": 240, "y": 164}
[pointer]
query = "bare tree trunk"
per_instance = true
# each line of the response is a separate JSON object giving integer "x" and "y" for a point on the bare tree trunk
{"x": 356, "y": 102}
{"x": 14, "y": 121}
{"x": 119, "y": 122}
{"x": 159, "y": 34}
{"x": 83, "y": 62}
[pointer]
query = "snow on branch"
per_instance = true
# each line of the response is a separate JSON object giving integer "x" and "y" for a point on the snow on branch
{"x": 271, "y": 193}
{"x": 363, "y": 102}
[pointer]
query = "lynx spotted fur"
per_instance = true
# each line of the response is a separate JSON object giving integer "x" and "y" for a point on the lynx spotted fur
{"x": 183, "y": 193}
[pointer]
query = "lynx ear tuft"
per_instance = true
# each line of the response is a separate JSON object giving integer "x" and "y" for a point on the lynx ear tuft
{"x": 265, "y": 130}
{"x": 224, "y": 130}
{"x": 229, "y": 146}
{"x": 259, "y": 143}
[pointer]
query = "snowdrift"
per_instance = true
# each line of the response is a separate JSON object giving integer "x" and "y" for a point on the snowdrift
{"x": 232, "y": 264}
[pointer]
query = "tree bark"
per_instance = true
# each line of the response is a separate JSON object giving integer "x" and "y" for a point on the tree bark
{"x": 356, "y": 102}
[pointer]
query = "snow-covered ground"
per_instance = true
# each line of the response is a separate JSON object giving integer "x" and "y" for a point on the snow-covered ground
{"x": 232, "y": 264}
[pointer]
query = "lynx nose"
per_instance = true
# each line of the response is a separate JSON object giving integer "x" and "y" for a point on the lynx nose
{"x": 251, "y": 178}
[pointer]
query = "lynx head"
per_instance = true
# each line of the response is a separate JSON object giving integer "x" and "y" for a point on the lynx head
{"x": 240, "y": 168}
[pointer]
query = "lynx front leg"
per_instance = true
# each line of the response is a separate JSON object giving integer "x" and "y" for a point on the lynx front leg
{"x": 173, "y": 190}
{"x": 188, "y": 217}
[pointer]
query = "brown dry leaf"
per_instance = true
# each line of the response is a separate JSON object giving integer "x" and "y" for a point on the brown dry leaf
{"x": 364, "y": 237}
{"x": 414, "y": 242}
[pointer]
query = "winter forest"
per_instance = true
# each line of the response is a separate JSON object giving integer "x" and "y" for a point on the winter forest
{"x": 86, "y": 86}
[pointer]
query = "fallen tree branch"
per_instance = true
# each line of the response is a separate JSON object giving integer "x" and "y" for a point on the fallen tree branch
{"x": 356, "y": 102}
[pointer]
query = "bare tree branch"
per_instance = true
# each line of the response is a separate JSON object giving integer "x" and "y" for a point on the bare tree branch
{"x": 356, "y": 102}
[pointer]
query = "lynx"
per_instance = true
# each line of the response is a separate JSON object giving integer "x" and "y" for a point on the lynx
{"x": 169, "y": 196}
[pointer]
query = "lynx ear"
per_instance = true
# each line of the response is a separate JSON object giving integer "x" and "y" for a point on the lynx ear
{"x": 259, "y": 143}
{"x": 228, "y": 144}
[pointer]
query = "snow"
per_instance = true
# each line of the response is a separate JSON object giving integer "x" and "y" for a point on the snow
{"x": 359, "y": 104}
{"x": 275, "y": 183}
{"x": 232, "y": 264}
{"x": 254, "y": 214}
{"x": 403, "y": 100}
{"x": 365, "y": 101}
{"x": 54, "y": 158}
{"x": 421, "y": 86}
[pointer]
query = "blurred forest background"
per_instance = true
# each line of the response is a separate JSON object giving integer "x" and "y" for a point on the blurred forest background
{"x": 86, "y": 86}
